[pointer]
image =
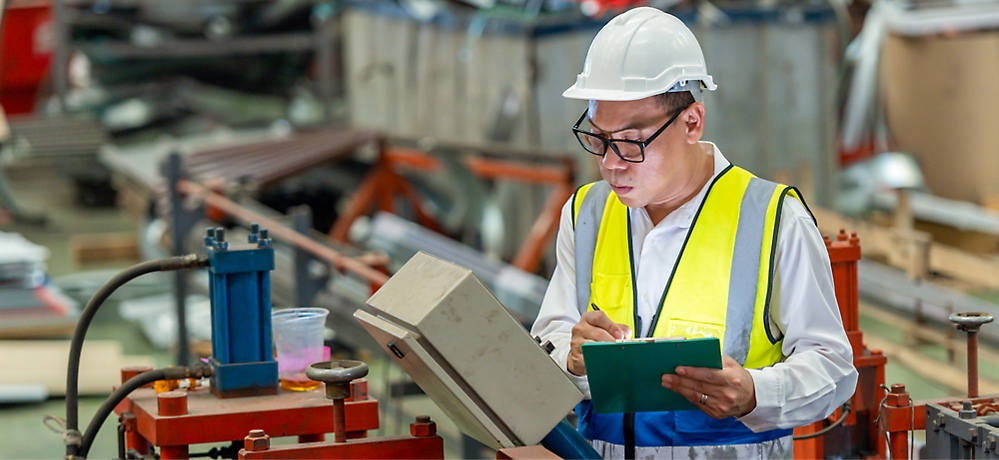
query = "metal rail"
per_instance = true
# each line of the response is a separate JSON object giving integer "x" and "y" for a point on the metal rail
{"x": 281, "y": 232}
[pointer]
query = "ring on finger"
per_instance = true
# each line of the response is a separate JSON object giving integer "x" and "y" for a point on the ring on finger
{"x": 704, "y": 398}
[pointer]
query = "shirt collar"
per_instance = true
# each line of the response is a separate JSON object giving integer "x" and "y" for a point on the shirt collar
{"x": 684, "y": 215}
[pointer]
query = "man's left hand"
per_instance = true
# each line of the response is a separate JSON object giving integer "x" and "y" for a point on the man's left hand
{"x": 730, "y": 390}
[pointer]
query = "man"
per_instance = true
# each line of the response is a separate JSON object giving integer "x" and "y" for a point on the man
{"x": 678, "y": 242}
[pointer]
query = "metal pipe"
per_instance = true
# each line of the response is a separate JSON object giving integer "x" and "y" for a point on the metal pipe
{"x": 972, "y": 363}
{"x": 281, "y": 232}
{"x": 898, "y": 441}
{"x": 339, "y": 421}
{"x": 971, "y": 322}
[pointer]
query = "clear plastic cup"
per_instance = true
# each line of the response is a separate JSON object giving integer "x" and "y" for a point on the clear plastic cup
{"x": 298, "y": 337}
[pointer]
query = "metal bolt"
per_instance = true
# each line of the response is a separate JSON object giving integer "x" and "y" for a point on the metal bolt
{"x": 423, "y": 427}
{"x": 967, "y": 411}
{"x": 971, "y": 322}
{"x": 841, "y": 236}
{"x": 990, "y": 443}
{"x": 257, "y": 441}
{"x": 253, "y": 236}
{"x": 220, "y": 234}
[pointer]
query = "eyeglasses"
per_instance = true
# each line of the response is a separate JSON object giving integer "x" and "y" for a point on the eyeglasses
{"x": 628, "y": 150}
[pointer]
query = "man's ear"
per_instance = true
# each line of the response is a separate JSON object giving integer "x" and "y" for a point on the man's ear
{"x": 693, "y": 120}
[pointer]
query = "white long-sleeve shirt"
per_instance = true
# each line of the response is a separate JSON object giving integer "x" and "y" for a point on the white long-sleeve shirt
{"x": 817, "y": 375}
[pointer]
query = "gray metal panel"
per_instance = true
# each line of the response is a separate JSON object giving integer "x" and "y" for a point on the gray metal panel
{"x": 952, "y": 437}
{"x": 774, "y": 109}
{"x": 492, "y": 356}
{"x": 775, "y": 104}
{"x": 421, "y": 366}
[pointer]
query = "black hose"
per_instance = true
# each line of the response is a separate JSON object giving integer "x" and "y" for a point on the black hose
{"x": 83, "y": 323}
{"x": 826, "y": 430}
{"x": 119, "y": 395}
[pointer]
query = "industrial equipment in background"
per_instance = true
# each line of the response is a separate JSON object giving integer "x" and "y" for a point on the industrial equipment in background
{"x": 243, "y": 403}
{"x": 385, "y": 184}
{"x": 956, "y": 428}
{"x": 465, "y": 350}
{"x": 876, "y": 424}
{"x": 854, "y": 432}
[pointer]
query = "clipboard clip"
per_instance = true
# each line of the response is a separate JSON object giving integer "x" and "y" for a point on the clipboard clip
{"x": 651, "y": 339}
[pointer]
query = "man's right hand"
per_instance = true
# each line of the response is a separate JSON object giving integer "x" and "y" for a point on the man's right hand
{"x": 593, "y": 326}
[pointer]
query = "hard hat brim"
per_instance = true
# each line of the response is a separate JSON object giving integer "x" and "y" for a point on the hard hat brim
{"x": 592, "y": 94}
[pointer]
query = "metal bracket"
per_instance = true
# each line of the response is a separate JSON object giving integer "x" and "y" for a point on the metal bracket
{"x": 183, "y": 220}
{"x": 307, "y": 284}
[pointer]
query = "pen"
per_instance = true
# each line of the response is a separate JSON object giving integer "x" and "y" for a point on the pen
{"x": 595, "y": 308}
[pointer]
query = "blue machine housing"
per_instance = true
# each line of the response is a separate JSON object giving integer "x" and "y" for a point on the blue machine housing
{"x": 240, "y": 291}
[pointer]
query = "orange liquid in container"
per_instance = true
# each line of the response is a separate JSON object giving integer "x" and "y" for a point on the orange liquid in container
{"x": 299, "y": 382}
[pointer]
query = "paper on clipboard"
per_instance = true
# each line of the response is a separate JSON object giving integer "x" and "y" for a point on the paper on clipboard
{"x": 626, "y": 376}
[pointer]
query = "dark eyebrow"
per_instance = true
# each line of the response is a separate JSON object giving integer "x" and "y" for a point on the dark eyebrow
{"x": 633, "y": 125}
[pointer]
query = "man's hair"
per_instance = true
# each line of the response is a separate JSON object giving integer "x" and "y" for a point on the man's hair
{"x": 671, "y": 102}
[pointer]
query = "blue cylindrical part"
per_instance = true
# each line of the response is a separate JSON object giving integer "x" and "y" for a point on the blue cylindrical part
{"x": 566, "y": 442}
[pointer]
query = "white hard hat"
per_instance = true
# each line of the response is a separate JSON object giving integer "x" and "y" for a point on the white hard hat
{"x": 640, "y": 53}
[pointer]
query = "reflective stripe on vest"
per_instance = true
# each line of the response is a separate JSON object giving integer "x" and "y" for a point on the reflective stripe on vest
{"x": 721, "y": 284}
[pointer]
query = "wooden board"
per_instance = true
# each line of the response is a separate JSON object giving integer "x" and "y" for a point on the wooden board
{"x": 104, "y": 247}
{"x": 910, "y": 250}
{"x": 957, "y": 343}
{"x": 44, "y": 362}
{"x": 953, "y": 377}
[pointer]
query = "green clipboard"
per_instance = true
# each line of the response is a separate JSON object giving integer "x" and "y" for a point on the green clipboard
{"x": 626, "y": 376}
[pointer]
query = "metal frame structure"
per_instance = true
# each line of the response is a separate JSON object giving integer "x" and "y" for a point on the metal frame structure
{"x": 321, "y": 40}
{"x": 174, "y": 420}
{"x": 384, "y": 184}
{"x": 858, "y": 434}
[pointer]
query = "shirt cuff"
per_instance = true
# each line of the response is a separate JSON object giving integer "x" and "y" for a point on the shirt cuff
{"x": 561, "y": 357}
{"x": 582, "y": 383}
{"x": 769, "y": 400}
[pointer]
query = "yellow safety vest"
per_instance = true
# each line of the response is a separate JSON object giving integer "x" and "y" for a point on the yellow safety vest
{"x": 722, "y": 282}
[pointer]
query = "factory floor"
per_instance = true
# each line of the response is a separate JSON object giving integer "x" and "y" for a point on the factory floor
{"x": 22, "y": 434}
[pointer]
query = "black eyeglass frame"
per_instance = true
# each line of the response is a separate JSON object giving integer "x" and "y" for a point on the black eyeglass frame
{"x": 610, "y": 142}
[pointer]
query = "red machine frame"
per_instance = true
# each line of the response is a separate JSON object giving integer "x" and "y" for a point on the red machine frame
{"x": 844, "y": 253}
{"x": 174, "y": 420}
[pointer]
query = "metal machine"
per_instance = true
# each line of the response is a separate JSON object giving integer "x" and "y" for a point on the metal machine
{"x": 244, "y": 405}
{"x": 436, "y": 319}
{"x": 956, "y": 428}
{"x": 463, "y": 348}
{"x": 878, "y": 421}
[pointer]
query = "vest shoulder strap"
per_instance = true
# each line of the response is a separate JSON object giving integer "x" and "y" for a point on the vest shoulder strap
{"x": 588, "y": 205}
